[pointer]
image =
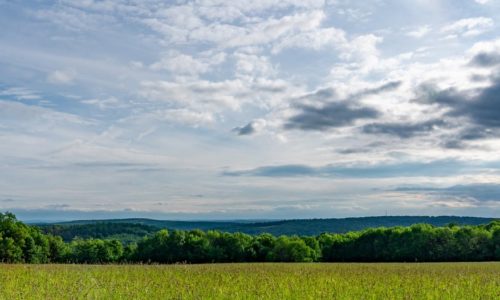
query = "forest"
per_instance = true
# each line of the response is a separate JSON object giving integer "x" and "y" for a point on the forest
{"x": 136, "y": 228}
{"x": 22, "y": 243}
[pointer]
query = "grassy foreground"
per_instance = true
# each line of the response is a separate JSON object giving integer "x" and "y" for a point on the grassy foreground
{"x": 252, "y": 281}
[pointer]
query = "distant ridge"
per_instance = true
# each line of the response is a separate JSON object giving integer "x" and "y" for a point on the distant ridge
{"x": 281, "y": 227}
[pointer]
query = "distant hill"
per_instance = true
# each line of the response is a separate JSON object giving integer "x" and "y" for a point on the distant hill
{"x": 134, "y": 229}
{"x": 125, "y": 232}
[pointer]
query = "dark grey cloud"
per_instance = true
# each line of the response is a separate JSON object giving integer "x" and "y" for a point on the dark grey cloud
{"x": 387, "y": 87}
{"x": 453, "y": 144}
{"x": 338, "y": 113}
{"x": 332, "y": 115}
{"x": 473, "y": 133}
{"x": 479, "y": 191}
{"x": 483, "y": 109}
{"x": 353, "y": 150}
{"x": 403, "y": 130}
{"x": 245, "y": 130}
{"x": 438, "y": 168}
{"x": 480, "y": 109}
{"x": 430, "y": 94}
{"x": 479, "y": 78}
{"x": 486, "y": 59}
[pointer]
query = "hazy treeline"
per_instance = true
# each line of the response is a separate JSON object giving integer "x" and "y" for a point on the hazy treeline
{"x": 22, "y": 243}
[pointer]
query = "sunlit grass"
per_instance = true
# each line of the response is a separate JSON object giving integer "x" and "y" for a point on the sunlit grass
{"x": 252, "y": 281}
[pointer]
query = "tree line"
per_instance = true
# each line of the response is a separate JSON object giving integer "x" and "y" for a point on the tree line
{"x": 21, "y": 243}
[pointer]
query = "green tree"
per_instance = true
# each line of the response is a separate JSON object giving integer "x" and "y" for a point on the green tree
{"x": 292, "y": 249}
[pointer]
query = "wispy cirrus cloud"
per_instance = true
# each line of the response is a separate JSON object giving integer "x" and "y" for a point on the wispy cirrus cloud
{"x": 468, "y": 27}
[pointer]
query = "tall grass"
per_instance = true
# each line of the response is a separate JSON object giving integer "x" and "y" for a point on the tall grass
{"x": 252, "y": 281}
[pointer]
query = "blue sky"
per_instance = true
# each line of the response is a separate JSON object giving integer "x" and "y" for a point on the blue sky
{"x": 215, "y": 109}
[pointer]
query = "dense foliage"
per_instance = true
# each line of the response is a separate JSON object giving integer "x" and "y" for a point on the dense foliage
{"x": 421, "y": 242}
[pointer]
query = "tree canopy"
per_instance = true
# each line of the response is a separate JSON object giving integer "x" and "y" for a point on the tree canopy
{"x": 21, "y": 243}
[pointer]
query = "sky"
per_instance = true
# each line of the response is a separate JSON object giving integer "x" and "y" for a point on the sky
{"x": 264, "y": 109}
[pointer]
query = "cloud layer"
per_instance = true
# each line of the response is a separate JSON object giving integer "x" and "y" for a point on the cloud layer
{"x": 236, "y": 108}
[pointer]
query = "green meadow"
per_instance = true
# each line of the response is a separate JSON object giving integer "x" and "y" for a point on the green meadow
{"x": 253, "y": 281}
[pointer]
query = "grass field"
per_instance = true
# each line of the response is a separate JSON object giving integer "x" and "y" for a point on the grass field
{"x": 252, "y": 281}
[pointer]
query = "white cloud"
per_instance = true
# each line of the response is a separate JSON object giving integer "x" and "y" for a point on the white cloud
{"x": 485, "y": 46}
{"x": 221, "y": 13}
{"x": 102, "y": 153}
{"x": 106, "y": 5}
{"x": 74, "y": 19}
{"x": 19, "y": 117}
{"x": 61, "y": 77}
{"x": 468, "y": 27}
{"x": 185, "y": 116}
{"x": 183, "y": 64}
{"x": 362, "y": 52}
{"x": 420, "y": 32}
{"x": 253, "y": 65}
{"x": 259, "y": 6}
{"x": 272, "y": 29}
{"x": 111, "y": 102}
{"x": 181, "y": 16}
{"x": 201, "y": 94}
{"x": 314, "y": 39}
{"x": 256, "y": 32}
{"x": 20, "y": 93}
{"x": 218, "y": 97}
{"x": 215, "y": 33}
